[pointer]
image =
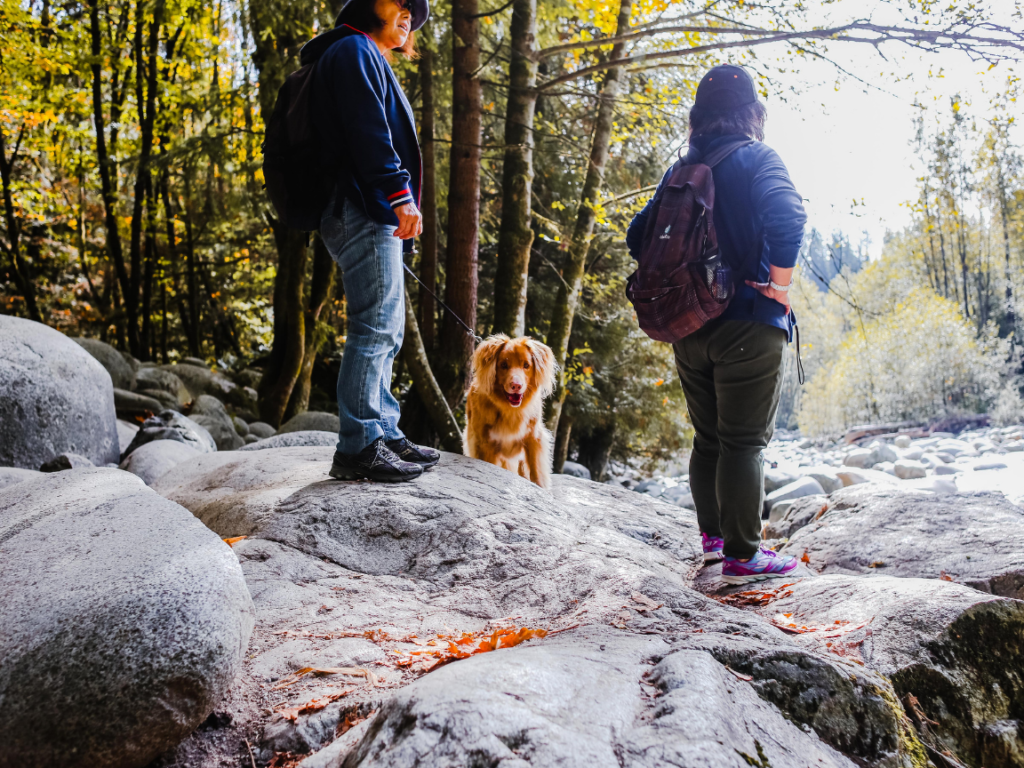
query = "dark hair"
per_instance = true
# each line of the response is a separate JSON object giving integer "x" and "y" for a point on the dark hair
{"x": 362, "y": 15}
{"x": 747, "y": 120}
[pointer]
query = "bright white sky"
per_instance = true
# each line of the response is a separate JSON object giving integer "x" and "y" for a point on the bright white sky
{"x": 855, "y": 143}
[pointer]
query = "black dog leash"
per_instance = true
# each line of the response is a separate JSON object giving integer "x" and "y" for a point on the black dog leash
{"x": 447, "y": 309}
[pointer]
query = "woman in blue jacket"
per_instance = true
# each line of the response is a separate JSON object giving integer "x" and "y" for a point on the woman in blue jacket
{"x": 367, "y": 126}
{"x": 731, "y": 369}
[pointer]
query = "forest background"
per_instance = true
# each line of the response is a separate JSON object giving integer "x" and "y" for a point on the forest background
{"x": 133, "y": 208}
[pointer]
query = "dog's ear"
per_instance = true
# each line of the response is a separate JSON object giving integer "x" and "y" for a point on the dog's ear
{"x": 543, "y": 366}
{"x": 484, "y": 359}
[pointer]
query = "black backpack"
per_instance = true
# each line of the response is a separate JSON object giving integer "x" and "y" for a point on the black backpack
{"x": 296, "y": 177}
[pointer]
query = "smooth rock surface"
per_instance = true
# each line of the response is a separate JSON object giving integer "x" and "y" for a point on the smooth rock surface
{"x": 12, "y": 475}
{"x": 573, "y": 469}
{"x": 166, "y": 380}
{"x": 154, "y": 459}
{"x": 54, "y": 398}
{"x": 124, "y": 621}
{"x": 133, "y": 405}
{"x": 240, "y": 426}
{"x": 972, "y": 538}
{"x": 906, "y": 469}
{"x": 262, "y": 430}
{"x": 805, "y": 486}
{"x": 209, "y": 413}
{"x": 307, "y": 439}
{"x": 200, "y": 380}
{"x": 361, "y": 574}
{"x": 312, "y": 421}
{"x": 122, "y": 375}
{"x": 126, "y": 432}
{"x": 591, "y": 698}
{"x": 166, "y": 399}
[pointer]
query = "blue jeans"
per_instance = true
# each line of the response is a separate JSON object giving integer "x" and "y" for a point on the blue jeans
{"x": 370, "y": 257}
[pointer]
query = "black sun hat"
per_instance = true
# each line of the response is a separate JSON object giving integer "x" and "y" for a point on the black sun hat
{"x": 726, "y": 87}
{"x": 420, "y": 10}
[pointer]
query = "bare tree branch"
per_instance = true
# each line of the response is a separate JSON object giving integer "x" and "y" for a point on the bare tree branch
{"x": 982, "y": 41}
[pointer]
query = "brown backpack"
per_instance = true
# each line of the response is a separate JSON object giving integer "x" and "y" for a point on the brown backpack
{"x": 681, "y": 281}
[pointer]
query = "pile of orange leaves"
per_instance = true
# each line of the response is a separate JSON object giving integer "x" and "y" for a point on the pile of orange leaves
{"x": 755, "y": 598}
{"x": 451, "y": 648}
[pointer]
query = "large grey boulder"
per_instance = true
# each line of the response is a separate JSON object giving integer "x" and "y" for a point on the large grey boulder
{"x": 54, "y": 398}
{"x": 12, "y": 475}
{"x": 124, "y": 619}
{"x": 800, "y": 513}
{"x": 126, "y": 432}
{"x": 958, "y": 652}
{"x": 307, "y": 439}
{"x": 210, "y": 413}
{"x": 317, "y": 421}
{"x": 262, "y": 430}
{"x": 165, "y": 380}
{"x": 122, "y": 374}
{"x": 200, "y": 380}
{"x": 349, "y": 574}
{"x": 171, "y": 425}
{"x": 805, "y": 486}
{"x": 135, "y": 405}
{"x": 590, "y": 698}
{"x": 154, "y": 459}
{"x": 573, "y": 469}
{"x": 972, "y": 538}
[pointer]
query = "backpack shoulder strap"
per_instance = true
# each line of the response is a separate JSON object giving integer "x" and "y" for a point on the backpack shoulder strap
{"x": 712, "y": 159}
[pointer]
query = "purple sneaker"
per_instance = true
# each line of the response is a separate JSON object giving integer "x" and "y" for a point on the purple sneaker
{"x": 712, "y": 547}
{"x": 765, "y": 564}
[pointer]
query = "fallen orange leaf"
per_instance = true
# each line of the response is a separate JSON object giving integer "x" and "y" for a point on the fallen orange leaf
{"x": 234, "y": 540}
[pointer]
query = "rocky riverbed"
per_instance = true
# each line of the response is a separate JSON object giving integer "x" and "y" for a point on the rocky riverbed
{"x": 209, "y": 597}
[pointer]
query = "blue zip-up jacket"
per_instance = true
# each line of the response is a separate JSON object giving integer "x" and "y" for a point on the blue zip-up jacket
{"x": 759, "y": 220}
{"x": 365, "y": 122}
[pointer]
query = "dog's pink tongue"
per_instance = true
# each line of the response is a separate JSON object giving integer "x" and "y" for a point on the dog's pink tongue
{"x": 514, "y": 399}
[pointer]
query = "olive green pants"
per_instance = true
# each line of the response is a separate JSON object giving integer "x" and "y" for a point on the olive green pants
{"x": 732, "y": 377}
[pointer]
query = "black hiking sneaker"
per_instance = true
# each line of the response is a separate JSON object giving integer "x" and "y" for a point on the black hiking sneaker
{"x": 415, "y": 454}
{"x": 375, "y": 462}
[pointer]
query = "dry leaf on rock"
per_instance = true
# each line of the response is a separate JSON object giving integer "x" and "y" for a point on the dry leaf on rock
{"x": 646, "y": 604}
{"x": 314, "y": 705}
{"x": 234, "y": 540}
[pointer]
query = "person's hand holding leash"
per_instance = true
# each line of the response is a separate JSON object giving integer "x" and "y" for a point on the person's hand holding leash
{"x": 410, "y": 221}
{"x": 777, "y": 287}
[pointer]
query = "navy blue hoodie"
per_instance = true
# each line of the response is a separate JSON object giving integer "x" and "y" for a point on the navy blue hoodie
{"x": 366, "y": 124}
{"x": 759, "y": 220}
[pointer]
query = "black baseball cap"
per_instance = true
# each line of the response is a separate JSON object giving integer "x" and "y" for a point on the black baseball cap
{"x": 420, "y": 10}
{"x": 725, "y": 87}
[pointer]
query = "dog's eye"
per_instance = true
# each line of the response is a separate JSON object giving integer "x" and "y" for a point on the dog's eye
{"x": 504, "y": 365}
{"x": 526, "y": 365}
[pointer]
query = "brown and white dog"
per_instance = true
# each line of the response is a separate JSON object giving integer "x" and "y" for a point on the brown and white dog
{"x": 505, "y": 406}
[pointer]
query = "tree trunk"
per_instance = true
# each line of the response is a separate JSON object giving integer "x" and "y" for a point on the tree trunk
{"x": 320, "y": 289}
{"x": 285, "y": 363}
{"x": 145, "y": 99}
{"x": 103, "y": 160}
{"x": 279, "y": 29}
{"x": 562, "y": 443}
{"x": 463, "y": 200}
{"x": 586, "y": 216}
{"x": 516, "y": 233}
{"x": 430, "y": 394}
{"x": 1011, "y": 315}
{"x": 428, "y": 240}
{"x": 185, "y": 312}
{"x": 19, "y": 269}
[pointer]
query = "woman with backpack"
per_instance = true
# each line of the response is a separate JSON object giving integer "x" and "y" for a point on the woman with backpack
{"x": 368, "y": 133}
{"x": 731, "y": 366}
